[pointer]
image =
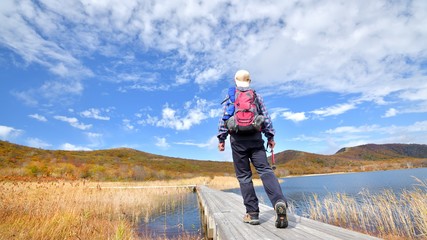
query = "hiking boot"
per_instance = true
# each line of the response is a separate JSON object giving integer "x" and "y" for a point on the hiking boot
{"x": 251, "y": 218}
{"x": 281, "y": 218}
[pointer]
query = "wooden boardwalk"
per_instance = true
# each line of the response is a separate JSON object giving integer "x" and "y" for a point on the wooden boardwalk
{"x": 222, "y": 216}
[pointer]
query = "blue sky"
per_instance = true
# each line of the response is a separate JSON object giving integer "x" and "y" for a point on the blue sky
{"x": 150, "y": 75}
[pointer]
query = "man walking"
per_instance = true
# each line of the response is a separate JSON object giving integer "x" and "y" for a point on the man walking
{"x": 248, "y": 146}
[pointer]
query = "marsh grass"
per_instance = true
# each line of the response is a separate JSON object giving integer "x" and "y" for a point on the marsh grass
{"x": 89, "y": 210}
{"x": 387, "y": 214}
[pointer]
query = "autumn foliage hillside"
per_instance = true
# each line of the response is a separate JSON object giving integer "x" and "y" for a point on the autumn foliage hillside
{"x": 125, "y": 164}
{"x": 120, "y": 164}
{"x": 368, "y": 157}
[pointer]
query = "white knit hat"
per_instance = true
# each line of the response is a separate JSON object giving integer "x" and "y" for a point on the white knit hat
{"x": 242, "y": 78}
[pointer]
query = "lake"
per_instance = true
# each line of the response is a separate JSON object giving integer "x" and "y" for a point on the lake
{"x": 297, "y": 189}
{"x": 186, "y": 219}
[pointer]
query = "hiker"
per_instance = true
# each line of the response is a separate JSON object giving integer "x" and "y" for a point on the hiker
{"x": 248, "y": 146}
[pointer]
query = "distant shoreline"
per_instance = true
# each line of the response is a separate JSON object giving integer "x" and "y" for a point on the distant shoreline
{"x": 338, "y": 173}
{"x": 317, "y": 174}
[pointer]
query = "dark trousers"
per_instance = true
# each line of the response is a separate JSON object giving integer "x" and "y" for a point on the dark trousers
{"x": 247, "y": 149}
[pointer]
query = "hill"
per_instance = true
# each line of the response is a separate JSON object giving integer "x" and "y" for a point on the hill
{"x": 120, "y": 164}
{"x": 351, "y": 159}
{"x": 384, "y": 151}
{"x": 125, "y": 164}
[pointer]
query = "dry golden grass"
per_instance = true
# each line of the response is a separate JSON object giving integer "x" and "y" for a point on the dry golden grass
{"x": 89, "y": 210}
{"x": 216, "y": 182}
{"x": 223, "y": 183}
{"x": 78, "y": 210}
{"x": 385, "y": 215}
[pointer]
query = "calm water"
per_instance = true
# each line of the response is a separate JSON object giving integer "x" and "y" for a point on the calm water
{"x": 174, "y": 223}
{"x": 186, "y": 218}
{"x": 298, "y": 189}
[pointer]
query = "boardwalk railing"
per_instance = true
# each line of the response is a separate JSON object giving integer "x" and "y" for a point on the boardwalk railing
{"x": 222, "y": 217}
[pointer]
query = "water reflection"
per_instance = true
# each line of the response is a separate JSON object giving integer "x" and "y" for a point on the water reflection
{"x": 182, "y": 221}
{"x": 299, "y": 190}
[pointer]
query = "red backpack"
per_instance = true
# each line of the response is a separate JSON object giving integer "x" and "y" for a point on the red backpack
{"x": 246, "y": 117}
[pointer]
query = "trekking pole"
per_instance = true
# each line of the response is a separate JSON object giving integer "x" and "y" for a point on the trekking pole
{"x": 273, "y": 163}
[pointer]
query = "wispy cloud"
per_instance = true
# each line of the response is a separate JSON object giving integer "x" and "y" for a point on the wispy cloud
{"x": 95, "y": 139}
{"x": 127, "y": 125}
{"x": 334, "y": 110}
{"x": 37, "y": 143}
{"x": 391, "y": 113}
{"x": 319, "y": 46}
{"x": 161, "y": 142}
{"x": 193, "y": 113}
{"x": 288, "y": 115}
{"x": 210, "y": 144}
{"x": 295, "y": 117}
{"x": 72, "y": 147}
{"x": 74, "y": 122}
{"x": 50, "y": 91}
{"x": 35, "y": 25}
{"x": 38, "y": 117}
{"x": 348, "y": 136}
{"x": 95, "y": 114}
{"x": 7, "y": 133}
{"x": 347, "y": 48}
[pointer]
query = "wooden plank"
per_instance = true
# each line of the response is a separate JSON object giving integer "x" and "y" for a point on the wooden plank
{"x": 223, "y": 217}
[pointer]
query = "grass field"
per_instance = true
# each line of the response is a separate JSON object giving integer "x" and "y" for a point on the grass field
{"x": 87, "y": 210}
{"x": 97, "y": 210}
{"x": 386, "y": 215}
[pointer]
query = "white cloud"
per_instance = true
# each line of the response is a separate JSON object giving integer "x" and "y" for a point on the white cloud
{"x": 95, "y": 114}
{"x": 96, "y": 139}
{"x": 334, "y": 110}
{"x": 347, "y": 136}
{"x": 275, "y": 112}
{"x": 74, "y": 122}
{"x": 35, "y": 27}
{"x": 126, "y": 123}
{"x": 304, "y": 138}
{"x": 50, "y": 91}
{"x": 216, "y": 113}
{"x": 212, "y": 143}
{"x": 288, "y": 115}
{"x": 37, "y": 143}
{"x": 207, "y": 76}
{"x": 193, "y": 113}
{"x": 295, "y": 117}
{"x": 9, "y": 132}
{"x": 161, "y": 142}
{"x": 346, "y": 48}
{"x": 391, "y": 113}
{"x": 71, "y": 147}
{"x": 299, "y": 47}
{"x": 38, "y": 117}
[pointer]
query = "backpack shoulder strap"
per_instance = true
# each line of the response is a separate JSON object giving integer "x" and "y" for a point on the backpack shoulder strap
{"x": 256, "y": 102}
{"x": 230, "y": 95}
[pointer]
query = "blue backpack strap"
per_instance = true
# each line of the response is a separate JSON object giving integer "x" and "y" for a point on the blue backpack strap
{"x": 232, "y": 94}
{"x": 230, "y": 105}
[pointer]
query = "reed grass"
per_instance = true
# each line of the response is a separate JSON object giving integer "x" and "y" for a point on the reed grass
{"x": 90, "y": 210}
{"x": 387, "y": 215}
{"x": 78, "y": 210}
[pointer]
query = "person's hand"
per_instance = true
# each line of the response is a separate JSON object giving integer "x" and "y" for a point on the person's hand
{"x": 221, "y": 146}
{"x": 271, "y": 144}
